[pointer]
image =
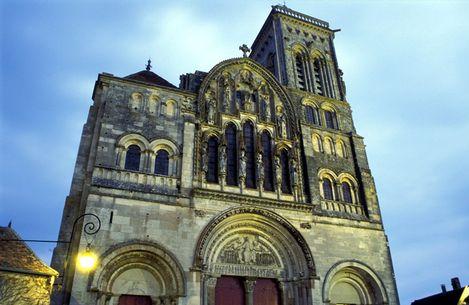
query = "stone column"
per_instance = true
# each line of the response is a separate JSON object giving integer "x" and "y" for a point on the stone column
{"x": 249, "y": 285}
{"x": 210, "y": 284}
{"x": 119, "y": 152}
{"x": 187, "y": 157}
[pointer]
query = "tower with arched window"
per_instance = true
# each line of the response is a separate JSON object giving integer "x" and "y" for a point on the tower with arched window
{"x": 247, "y": 183}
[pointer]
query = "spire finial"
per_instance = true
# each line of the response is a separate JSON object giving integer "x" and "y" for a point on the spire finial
{"x": 244, "y": 48}
{"x": 148, "y": 67}
{"x": 9, "y": 224}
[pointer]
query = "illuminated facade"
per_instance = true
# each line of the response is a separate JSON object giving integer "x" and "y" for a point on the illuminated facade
{"x": 246, "y": 185}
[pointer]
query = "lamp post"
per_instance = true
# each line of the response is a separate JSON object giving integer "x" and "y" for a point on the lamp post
{"x": 86, "y": 260}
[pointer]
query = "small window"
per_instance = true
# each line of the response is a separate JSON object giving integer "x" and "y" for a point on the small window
{"x": 310, "y": 115}
{"x": 318, "y": 78}
{"x": 132, "y": 158}
{"x": 347, "y": 192}
{"x": 300, "y": 72}
{"x": 327, "y": 189}
{"x": 162, "y": 162}
{"x": 331, "y": 119}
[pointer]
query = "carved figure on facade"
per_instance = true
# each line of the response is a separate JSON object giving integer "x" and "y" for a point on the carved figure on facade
{"x": 265, "y": 100}
{"x": 294, "y": 171}
{"x": 247, "y": 250}
{"x": 278, "y": 172}
{"x": 222, "y": 159}
{"x": 246, "y": 76}
{"x": 248, "y": 102}
{"x": 204, "y": 157}
{"x": 260, "y": 165}
{"x": 281, "y": 123}
{"x": 242, "y": 164}
{"x": 227, "y": 94}
{"x": 188, "y": 104}
{"x": 210, "y": 104}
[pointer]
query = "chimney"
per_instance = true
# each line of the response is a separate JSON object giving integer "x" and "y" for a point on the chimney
{"x": 455, "y": 283}
{"x": 443, "y": 288}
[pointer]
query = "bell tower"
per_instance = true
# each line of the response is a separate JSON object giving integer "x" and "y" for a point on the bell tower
{"x": 299, "y": 50}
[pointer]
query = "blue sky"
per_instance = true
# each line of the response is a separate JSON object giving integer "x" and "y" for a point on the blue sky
{"x": 406, "y": 72}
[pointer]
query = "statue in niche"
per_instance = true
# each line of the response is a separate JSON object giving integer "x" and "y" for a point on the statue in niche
{"x": 278, "y": 172}
{"x": 294, "y": 171}
{"x": 242, "y": 164}
{"x": 282, "y": 124}
{"x": 260, "y": 165}
{"x": 210, "y": 106}
{"x": 246, "y": 76}
{"x": 204, "y": 157}
{"x": 265, "y": 100}
{"x": 222, "y": 158}
{"x": 248, "y": 103}
{"x": 227, "y": 95}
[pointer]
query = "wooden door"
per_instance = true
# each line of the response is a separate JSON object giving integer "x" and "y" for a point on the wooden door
{"x": 229, "y": 291}
{"x": 266, "y": 292}
{"x": 127, "y": 299}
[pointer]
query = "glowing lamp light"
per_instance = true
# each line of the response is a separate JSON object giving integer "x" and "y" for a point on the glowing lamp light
{"x": 87, "y": 260}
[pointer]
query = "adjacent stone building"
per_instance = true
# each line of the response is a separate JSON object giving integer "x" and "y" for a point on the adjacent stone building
{"x": 245, "y": 185}
{"x": 24, "y": 278}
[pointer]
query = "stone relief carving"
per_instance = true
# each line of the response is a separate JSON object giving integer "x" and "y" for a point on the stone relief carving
{"x": 281, "y": 123}
{"x": 227, "y": 95}
{"x": 260, "y": 165}
{"x": 222, "y": 159}
{"x": 247, "y": 250}
{"x": 242, "y": 164}
{"x": 188, "y": 104}
{"x": 211, "y": 107}
{"x": 294, "y": 171}
{"x": 204, "y": 157}
{"x": 278, "y": 172}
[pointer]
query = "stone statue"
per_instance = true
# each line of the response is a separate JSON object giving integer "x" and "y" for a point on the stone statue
{"x": 278, "y": 172}
{"x": 187, "y": 104}
{"x": 260, "y": 166}
{"x": 294, "y": 171}
{"x": 222, "y": 159}
{"x": 210, "y": 104}
{"x": 242, "y": 164}
{"x": 282, "y": 125}
{"x": 227, "y": 96}
{"x": 204, "y": 157}
{"x": 248, "y": 103}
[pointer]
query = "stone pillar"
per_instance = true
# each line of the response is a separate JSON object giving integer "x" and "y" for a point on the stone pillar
{"x": 187, "y": 158}
{"x": 119, "y": 152}
{"x": 210, "y": 284}
{"x": 249, "y": 285}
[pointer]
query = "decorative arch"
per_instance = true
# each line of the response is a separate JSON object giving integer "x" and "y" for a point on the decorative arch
{"x": 247, "y": 64}
{"x": 290, "y": 252}
{"x": 130, "y": 141}
{"x": 136, "y": 101}
{"x": 133, "y": 139}
{"x": 362, "y": 283}
{"x": 170, "y": 162}
{"x": 317, "y": 143}
{"x": 328, "y": 145}
{"x": 153, "y": 103}
{"x": 154, "y": 271}
{"x": 341, "y": 149}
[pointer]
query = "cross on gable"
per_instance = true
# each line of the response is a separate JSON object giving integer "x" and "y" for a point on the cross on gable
{"x": 244, "y": 48}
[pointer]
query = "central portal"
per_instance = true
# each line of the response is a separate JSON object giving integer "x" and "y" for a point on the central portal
{"x": 232, "y": 290}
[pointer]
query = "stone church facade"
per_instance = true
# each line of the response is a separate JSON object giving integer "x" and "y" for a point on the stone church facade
{"x": 244, "y": 185}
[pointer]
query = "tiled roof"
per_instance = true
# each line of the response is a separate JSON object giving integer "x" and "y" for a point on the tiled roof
{"x": 150, "y": 78}
{"x": 16, "y": 256}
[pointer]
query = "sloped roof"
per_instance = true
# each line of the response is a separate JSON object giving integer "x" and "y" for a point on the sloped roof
{"x": 452, "y": 297}
{"x": 16, "y": 256}
{"x": 150, "y": 77}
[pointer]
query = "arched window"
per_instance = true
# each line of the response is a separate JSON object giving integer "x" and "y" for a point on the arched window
{"x": 331, "y": 119}
{"x": 162, "y": 162}
{"x": 132, "y": 158}
{"x": 310, "y": 115}
{"x": 231, "y": 155}
{"x": 318, "y": 77}
{"x": 328, "y": 146}
{"x": 347, "y": 192}
{"x": 284, "y": 162}
{"x": 327, "y": 189}
{"x": 317, "y": 143}
{"x": 212, "y": 171}
{"x": 248, "y": 135}
{"x": 170, "y": 109}
{"x": 300, "y": 72}
{"x": 267, "y": 158}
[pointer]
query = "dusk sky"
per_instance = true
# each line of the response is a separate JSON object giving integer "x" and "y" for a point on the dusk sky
{"x": 405, "y": 65}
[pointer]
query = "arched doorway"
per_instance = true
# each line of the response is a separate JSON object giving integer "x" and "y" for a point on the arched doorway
{"x": 258, "y": 249}
{"x": 353, "y": 283}
{"x": 138, "y": 273}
